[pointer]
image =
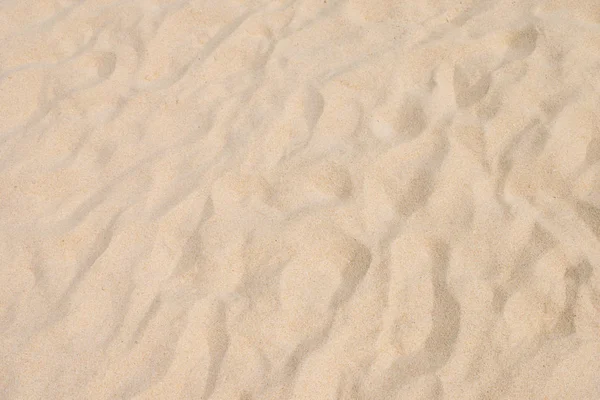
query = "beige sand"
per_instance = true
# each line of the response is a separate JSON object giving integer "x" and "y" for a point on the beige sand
{"x": 300, "y": 199}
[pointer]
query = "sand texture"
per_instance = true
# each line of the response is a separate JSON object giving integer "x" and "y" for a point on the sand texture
{"x": 300, "y": 199}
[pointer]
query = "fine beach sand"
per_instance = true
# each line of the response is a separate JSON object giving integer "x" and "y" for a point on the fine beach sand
{"x": 300, "y": 199}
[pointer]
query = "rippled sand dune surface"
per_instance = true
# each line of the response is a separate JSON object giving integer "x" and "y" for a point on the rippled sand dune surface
{"x": 300, "y": 199}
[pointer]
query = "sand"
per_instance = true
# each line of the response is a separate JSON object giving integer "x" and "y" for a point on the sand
{"x": 300, "y": 199}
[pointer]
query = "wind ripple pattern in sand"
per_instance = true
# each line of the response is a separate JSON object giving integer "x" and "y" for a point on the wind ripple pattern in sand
{"x": 307, "y": 199}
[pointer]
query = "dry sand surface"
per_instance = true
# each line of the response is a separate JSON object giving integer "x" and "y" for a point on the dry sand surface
{"x": 300, "y": 199}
